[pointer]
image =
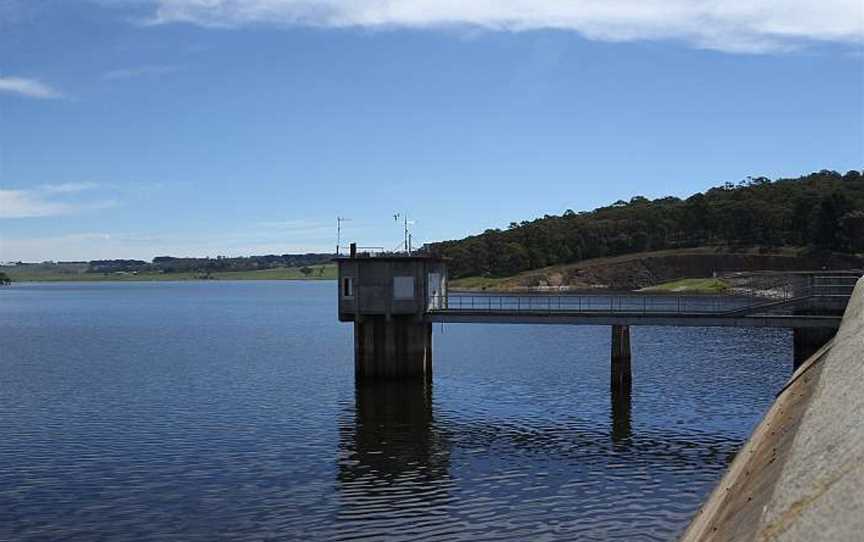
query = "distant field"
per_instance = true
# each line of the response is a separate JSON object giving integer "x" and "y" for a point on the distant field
{"x": 46, "y": 274}
{"x": 477, "y": 283}
{"x": 319, "y": 272}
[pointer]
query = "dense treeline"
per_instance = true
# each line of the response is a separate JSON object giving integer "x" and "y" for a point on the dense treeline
{"x": 169, "y": 264}
{"x": 823, "y": 210}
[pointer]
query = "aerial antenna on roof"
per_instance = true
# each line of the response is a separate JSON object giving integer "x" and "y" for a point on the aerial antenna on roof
{"x": 339, "y": 221}
{"x": 405, "y": 232}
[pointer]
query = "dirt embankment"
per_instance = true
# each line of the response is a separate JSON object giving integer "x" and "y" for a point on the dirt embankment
{"x": 651, "y": 268}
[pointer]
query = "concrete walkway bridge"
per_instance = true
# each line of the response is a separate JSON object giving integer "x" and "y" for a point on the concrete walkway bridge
{"x": 393, "y": 300}
{"x": 812, "y": 308}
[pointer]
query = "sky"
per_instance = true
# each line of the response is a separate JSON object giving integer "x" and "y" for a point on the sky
{"x": 140, "y": 128}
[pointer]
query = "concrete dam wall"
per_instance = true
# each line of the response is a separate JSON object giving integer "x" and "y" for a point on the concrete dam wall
{"x": 801, "y": 475}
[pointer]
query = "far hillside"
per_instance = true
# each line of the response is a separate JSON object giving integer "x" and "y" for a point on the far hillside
{"x": 62, "y": 272}
{"x": 716, "y": 267}
{"x": 269, "y": 267}
{"x": 817, "y": 214}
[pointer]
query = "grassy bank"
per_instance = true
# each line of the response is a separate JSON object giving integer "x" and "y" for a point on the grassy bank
{"x": 690, "y": 286}
{"x": 478, "y": 283}
{"x": 318, "y": 272}
{"x": 672, "y": 270}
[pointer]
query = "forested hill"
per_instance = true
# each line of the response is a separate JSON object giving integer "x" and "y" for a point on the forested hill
{"x": 823, "y": 210}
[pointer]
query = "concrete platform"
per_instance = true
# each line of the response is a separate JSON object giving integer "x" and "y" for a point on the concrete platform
{"x": 787, "y": 321}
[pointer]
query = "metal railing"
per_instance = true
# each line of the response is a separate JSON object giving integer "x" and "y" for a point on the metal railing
{"x": 590, "y": 303}
{"x": 771, "y": 298}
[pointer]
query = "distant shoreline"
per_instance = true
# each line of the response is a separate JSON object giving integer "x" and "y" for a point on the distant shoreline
{"x": 314, "y": 273}
{"x": 165, "y": 279}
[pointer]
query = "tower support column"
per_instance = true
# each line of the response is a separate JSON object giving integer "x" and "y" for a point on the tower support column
{"x": 621, "y": 372}
{"x": 394, "y": 348}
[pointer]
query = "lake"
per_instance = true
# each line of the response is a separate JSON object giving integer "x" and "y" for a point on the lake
{"x": 229, "y": 410}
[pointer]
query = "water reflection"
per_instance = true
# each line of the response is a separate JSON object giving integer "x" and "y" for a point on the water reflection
{"x": 621, "y": 414}
{"x": 394, "y": 460}
{"x": 409, "y": 471}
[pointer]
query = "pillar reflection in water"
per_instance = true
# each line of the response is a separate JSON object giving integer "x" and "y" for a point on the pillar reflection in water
{"x": 621, "y": 415}
{"x": 393, "y": 456}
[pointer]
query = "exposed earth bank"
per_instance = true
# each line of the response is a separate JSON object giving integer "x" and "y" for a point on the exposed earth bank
{"x": 636, "y": 271}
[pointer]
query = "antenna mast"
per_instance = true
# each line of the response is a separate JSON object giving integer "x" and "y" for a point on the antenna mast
{"x": 339, "y": 221}
{"x": 407, "y": 248}
{"x": 406, "y": 233}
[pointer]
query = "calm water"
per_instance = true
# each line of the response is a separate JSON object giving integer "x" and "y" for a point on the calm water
{"x": 208, "y": 410}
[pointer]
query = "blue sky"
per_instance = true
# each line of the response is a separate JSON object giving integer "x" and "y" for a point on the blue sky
{"x": 137, "y": 128}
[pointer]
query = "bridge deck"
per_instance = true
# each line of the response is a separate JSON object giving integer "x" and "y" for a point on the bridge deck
{"x": 642, "y": 309}
{"x": 622, "y": 318}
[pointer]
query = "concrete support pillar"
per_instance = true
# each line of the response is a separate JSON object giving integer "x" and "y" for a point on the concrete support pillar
{"x": 806, "y": 342}
{"x": 400, "y": 347}
{"x": 621, "y": 374}
{"x": 427, "y": 355}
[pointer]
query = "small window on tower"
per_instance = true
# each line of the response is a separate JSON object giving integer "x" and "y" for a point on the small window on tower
{"x": 403, "y": 287}
{"x": 347, "y": 287}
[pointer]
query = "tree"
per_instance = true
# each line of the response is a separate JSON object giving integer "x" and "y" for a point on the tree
{"x": 821, "y": 209}
{"x": 827, "y": 221}
{"x": 852, "y": 231}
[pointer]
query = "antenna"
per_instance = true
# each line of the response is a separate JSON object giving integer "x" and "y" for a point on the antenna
{"x": 339, "y": 221}
{"x": 406, "y": 234}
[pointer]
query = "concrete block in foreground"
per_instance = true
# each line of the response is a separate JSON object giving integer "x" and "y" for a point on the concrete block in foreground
{"x": 801, "y": 475}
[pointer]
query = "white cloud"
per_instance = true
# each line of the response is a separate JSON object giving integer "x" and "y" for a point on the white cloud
{"x": 141, "y": 71}
{"x": 48, "y": 200}
{"x": 728, "y": 25}
{"x": 68, "y": 188}
{"x": 28, "y": 87}
{"x": 70, "y": 247}
{"x": 24, "y": 204}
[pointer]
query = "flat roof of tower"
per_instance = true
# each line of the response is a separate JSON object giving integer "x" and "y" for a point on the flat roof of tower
{"x": 389, "y": 258}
